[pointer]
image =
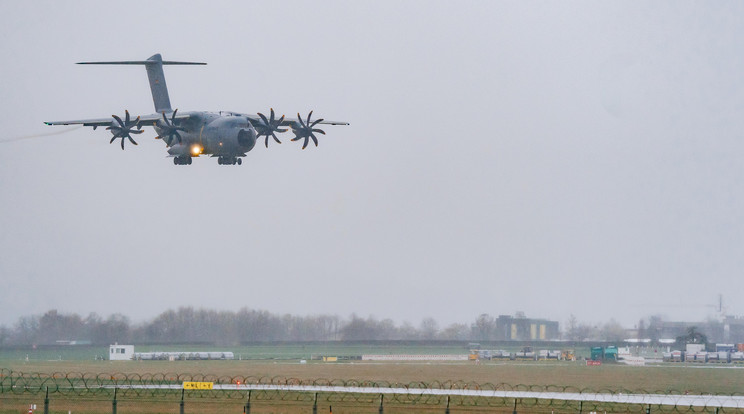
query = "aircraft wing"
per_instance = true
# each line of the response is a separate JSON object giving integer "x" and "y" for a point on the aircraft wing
{"x": 144, "y": 120}
{"x": 289, "y": 121}
{"x": 332, "y": 122}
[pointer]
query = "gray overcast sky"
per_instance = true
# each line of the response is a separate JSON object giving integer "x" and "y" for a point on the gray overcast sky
{"x": 549, "y": 157}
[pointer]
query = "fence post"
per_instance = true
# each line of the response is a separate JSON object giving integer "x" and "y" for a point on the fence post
{"x": 315, "y": 404}
{"x": 515, "y": 407}
{"x": 182, "y": 403}
{"x": 46, "y": 401}
{"x": 113, "y": 402}
{"x": 446, "y": 410}
{"x": 382, "y": 397}
{"x": 648, "y": 409}
{"x": 247, "y": 408}
{"x": 581, "y": 406}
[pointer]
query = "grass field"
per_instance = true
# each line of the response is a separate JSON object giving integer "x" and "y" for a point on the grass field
{"x": 269, "y": 351}
{"x": 613, "y": 377}
{"x": 572, "y": 376}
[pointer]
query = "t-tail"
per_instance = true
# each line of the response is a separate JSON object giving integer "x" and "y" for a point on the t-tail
{"x": 154, "y": 65}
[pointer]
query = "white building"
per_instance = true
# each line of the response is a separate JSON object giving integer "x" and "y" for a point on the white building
{"x": 121, "y": 352}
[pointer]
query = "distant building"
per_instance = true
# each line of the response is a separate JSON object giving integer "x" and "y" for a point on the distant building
{"x": 729, "y": 329}
{"x": 733, "y": 329}
{"x": 121, "y": 352}
{"x": 526, "y": 329}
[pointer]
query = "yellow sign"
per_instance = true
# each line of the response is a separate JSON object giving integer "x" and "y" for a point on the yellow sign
{"x": 193, "y": 385}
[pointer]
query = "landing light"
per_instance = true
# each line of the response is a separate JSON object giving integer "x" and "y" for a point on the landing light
{"x": 196, "y": 150}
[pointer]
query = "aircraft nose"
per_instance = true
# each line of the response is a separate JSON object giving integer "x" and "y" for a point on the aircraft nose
{"x": 247, "y": 137}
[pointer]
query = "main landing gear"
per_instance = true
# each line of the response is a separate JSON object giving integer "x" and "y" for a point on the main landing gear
{"x": 182, "y": 160}
{"x": 225, "y": 160}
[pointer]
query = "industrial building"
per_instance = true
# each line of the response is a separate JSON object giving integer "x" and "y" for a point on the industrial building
{"x": 727, "y": 329}
{"x": 520, "y": 328}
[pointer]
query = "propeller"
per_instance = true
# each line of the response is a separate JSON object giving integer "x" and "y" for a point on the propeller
{"x": 269, "y": 126}
{"x": 305, "y": 130}
{"x": 124, "y": 129}
{"x": 170, "y": 128}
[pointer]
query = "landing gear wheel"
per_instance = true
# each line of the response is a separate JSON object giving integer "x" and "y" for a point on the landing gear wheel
{"x": 227, "y": 160}
{"x": 184, "y": 160}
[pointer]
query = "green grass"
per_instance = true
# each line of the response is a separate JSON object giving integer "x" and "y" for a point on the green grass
{"x": 286, "y": 351}
{"x": 272, "y": 351}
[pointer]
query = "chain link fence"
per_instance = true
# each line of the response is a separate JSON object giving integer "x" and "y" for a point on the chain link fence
{"x": 164, "y": 393}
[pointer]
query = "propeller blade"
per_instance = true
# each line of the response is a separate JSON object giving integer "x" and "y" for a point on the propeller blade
{"x": 136, "y": 122}
{"x": 268, "y": 126}
{"x": 315, "y": 140}
{"x": 125, "y": 128}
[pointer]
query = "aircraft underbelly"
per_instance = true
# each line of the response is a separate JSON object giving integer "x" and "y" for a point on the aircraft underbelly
{"x": 220, "y": 144}
{"x": 209, "y": 143}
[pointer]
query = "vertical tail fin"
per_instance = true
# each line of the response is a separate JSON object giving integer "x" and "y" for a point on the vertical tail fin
{"x": 154, "y": 65}
{"x": 157, "y": 84}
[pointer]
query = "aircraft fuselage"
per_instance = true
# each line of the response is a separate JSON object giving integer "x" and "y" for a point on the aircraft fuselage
{"x": 224, "y": 134}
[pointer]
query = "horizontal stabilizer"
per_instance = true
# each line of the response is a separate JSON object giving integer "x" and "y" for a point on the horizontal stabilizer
{"x": 142, "y": 62}
{"x": 154, "y": 66}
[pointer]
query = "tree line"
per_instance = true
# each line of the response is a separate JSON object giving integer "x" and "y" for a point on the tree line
{"x": 190, "y": 325}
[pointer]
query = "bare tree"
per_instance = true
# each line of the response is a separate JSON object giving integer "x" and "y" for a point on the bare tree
{"x": 484, "y": 327}
{"x": 455, "y": 331}
{"x": 429, "y": 329}
{"x": 612, "y": 331}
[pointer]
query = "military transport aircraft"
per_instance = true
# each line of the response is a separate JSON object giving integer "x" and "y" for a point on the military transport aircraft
{"x": 225, "y": 135}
